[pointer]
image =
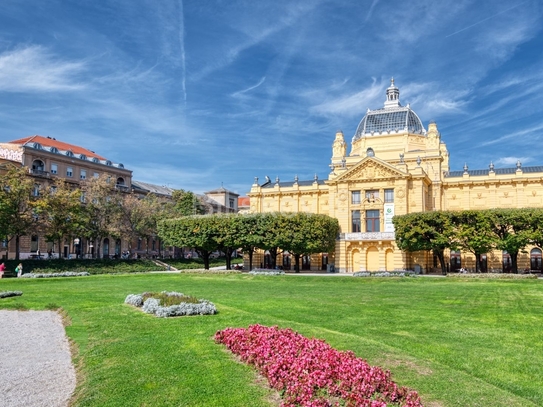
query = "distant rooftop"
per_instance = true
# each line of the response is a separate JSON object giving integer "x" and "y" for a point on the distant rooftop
{"x": 498, "y": 171}
{"x": 52, "y": 145}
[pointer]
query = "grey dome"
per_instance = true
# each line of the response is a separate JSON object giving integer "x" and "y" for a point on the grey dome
{"x": 393, "y": 118}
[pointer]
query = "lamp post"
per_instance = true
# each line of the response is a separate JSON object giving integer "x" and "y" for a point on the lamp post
{"x": 76, "y": 245}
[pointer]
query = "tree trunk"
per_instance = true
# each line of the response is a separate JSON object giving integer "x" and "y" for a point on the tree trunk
{"x": 228, "y": 255}
{"x": 514, "y": 264}
{"x": 441, "y": 256}
{"x": 273, "y": 255}
{"x": 251, "y": 252}
{"x": 297, "y": 263}
{"x": 205, "y": 255}
{"x": 17, "y": 247}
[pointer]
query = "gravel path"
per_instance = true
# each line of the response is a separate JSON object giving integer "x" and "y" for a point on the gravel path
{"x": 35, "y": 362}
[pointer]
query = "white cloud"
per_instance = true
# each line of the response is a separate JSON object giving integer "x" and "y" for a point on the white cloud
{"x": 511, "y": 160}
{"x": 34, "y": 69}
{"x": 353, "y": 104}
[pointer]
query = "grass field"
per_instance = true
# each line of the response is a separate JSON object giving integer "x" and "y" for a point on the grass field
{"x": 457, "y": 342}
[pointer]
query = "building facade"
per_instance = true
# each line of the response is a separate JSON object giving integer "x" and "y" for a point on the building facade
{"x": 47, "y": 160}
{"x": 397, "y": 166}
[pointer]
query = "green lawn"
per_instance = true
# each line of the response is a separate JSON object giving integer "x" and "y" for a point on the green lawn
{"x": 457, "y": 342}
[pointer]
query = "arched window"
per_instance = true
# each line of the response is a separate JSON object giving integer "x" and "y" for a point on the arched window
{"x": 69, "y": 153}
{"x": 506, "y": 262}
{"x": 82, "y": 156}
{"x": 456, "y": 260}
{"x": 370, "y": 152}
{"x": 95, "y": 160}
{"x": 120, "y": 181}
{"x": 38, "y": 167}
{"x": 37, "y": 146}
{"x": 34, "y": 243}
{"x": 120, "y": 165}
{"x": 306, "y": 263}
{"x": 535, "y": 260}
{"x": 108, "y": 162}
{"x": 118, "y": 247}
{"x": 54, "y": 150}
{"x": 105, "y": 248}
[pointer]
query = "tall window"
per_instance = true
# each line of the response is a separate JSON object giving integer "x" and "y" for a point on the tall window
{"x": 83, "y": 174}
{"x": 69, "y": 172}
{"x": 389, "y": 195}
{"x": 355, "y": 197}
{"x": 372, "y": 194}
{"x": 232, "y": 203}
{"x": 372, "y": 221}
{"x": 96, "y": 175}
{"x": 456, "y": 260}
{"x": 36, "y": 190}
{"x": 54, "y": 168}
{"x": 355, "y": 215}
{"x": 34, "y": 243}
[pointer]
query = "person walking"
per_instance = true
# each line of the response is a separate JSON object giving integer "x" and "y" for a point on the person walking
{"x": 2, "y": 269}
{"x": 19, "y": 270}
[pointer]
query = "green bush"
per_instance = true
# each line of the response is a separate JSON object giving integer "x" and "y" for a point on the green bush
{"x": 92, "y": 266}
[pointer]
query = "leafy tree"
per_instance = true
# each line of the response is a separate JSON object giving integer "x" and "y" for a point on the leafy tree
{"x": 101, "y": 209}
{"x": 17, "y": 215}
{"x": 310, "y": 233}
{"x": 473, "y": 233}
{"x": 426, "y": 231}
{"x": 274, "y": 230}
{"x": 137, "y": 217}
{"x": 247, "y": 233}
{"x": 198, "y": 232}
{"x": 60, "y": 211}
{"x": 513, "y": 231}
{"x": 187, "y": 203}
{"x": 536, "y": 227}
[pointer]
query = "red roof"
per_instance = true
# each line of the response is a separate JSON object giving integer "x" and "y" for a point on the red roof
{"x": 51, "y": 142}
{"x": 244, "y": 201}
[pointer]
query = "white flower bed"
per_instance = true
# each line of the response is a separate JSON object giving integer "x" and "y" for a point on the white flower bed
{"x": 152, "y": 306}
{"x": 7, "y": 294}
{"x": 266, "y": 272}
{"x": 404, "y": 273}
{"x": 63, "y": 274}
{"x": 493, "y": 276}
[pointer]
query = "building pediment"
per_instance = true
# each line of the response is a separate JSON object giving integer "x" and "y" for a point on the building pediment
{"x": 371, "y": 168}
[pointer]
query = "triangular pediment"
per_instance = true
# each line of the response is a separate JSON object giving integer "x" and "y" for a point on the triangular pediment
{"x": 371, "y": 168}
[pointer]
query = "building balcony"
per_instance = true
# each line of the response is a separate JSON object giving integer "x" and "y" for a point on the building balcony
{"x": 123, "y": 188}
{"x": 368, "y": 236}
{"x": 38, "y": 173}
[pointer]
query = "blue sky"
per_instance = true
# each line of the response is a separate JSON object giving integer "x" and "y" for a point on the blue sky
{"x": 198, "y": 93}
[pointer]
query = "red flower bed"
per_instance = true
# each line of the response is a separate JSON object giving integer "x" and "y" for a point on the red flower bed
{"x": 308, "y": 372}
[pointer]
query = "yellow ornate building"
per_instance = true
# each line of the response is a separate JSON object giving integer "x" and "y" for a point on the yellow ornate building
{"x": 397, "y": 166}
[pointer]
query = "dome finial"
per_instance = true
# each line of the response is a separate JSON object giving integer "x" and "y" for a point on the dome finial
{"x": 393, "y": 96}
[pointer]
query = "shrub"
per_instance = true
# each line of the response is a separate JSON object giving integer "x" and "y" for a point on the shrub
{"x": 493, "y": 276}
{"x": 63, "y": 274}
{"x": 404, "y": 273}
{"x": 266, "y": 272}
{"x": 170, "y": 304}
{"x": 6, "y": 294}
{"x": 308, "y": 372}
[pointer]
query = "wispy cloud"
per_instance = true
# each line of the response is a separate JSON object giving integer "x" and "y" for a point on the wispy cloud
{"x": 485, "y": 19}
{"x": 511, "y": 160}
{"x": 354, "y": 103}
{"x": 241, "y": 92}
{"x": 35, "y": 69}
{"x": 514, "y": 135}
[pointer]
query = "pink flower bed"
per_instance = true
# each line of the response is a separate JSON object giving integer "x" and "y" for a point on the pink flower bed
{"x": 310, "y": 373}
